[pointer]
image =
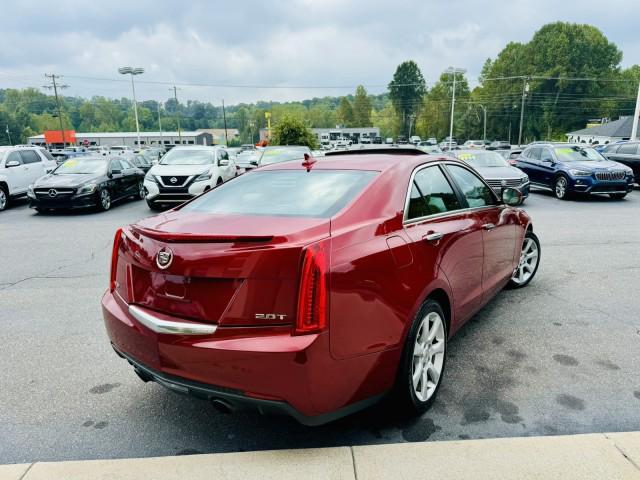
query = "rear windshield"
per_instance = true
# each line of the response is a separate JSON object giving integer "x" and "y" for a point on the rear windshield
{"x": 284, "y": 193}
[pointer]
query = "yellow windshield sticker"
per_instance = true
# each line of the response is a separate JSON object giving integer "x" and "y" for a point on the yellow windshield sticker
{"x": 70, "y": 163}
{"x": 564, "y": 150}
{"x": 466, "y": 156}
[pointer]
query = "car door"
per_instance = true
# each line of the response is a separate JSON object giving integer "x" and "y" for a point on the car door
{"x": 528, "y": 163}
{"x": 117, "y": 183}
{"x": 130, "y": 177}
{"x": 34, "y": 164}
{"x": 498, "y": 224}
{"x": 445, "y": 238}
{"x": 17, "y": 176}
{"x": 224, "y": 165}
{"x": 546, "y": 167}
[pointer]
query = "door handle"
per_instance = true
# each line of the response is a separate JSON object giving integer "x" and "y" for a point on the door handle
{"x": 433, "y": 236}
{"x": 488, "y": 226}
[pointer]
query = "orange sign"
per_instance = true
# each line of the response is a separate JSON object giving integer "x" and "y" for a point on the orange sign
{"x": 55, "y": 136}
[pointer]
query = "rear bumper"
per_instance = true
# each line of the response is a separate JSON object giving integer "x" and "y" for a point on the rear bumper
{"x": 263, "y": 368}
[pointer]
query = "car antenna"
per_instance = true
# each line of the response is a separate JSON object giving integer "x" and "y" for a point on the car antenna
{"x": 308, "y": 162}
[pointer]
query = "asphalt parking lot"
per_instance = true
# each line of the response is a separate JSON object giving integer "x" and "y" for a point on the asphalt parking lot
{"x": 561, "y": 356}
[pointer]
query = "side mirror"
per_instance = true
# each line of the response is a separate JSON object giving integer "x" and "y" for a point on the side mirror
{"x": 12, "y": 163}
{"x": 512, "y": 197}
{"x": 254, "y": 162}
{"x": 223, "y": 162}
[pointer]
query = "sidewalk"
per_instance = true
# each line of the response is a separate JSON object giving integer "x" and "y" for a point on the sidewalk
{"x": 609, "y": 456}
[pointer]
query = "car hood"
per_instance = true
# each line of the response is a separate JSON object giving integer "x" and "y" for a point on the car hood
{"x": 595, "y": 165}
{"x": 500, "y": 173}
{"x": 69, "y": 180}
{"x": 179, "y": 169}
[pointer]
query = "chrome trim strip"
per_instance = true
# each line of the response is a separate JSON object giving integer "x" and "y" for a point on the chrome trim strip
{"x": 173, "y": 328}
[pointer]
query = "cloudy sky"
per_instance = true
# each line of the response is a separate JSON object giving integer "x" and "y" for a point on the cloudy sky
{"x": 211, "y": 47}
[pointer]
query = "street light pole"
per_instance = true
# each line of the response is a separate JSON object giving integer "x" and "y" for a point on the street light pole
{"x": 453, "y": 71}
{"x": 525, "y": 89}
{"x": 160, "y": 123}
{"x": 175, "y": 96}
{"x": 634, "y": 129}
{"x": 484, "y": 129}
{"x": 133, "y": 72}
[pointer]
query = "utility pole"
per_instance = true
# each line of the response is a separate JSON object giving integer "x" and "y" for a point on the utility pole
{"x": 525, "y": 89}
{"x": 634, "y": 129}
{"x": 484, "y": 129}
{"x": 268, "y": 117}
{"x": 9, "y": 135}
{"x": 453, "y": 71}
{"x": 224, "y": 116}
{"x": 175, "y": 96}
{"x": 412, "y": 117}
{"x": 160, "y": 123}
{"x": 54, "y": 86}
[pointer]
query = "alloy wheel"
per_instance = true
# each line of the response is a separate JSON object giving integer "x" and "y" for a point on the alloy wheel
{"x": 428, "y": 356}
{"x": 105, "y": 199}
{"x": 528, "y": 262}
{"x": 561, "y": 187}
{"x": 3, "y": 199}
{"x": 141, "y": 190}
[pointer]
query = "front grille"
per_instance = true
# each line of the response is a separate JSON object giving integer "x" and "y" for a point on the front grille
{"x": 54, "y": 193}
{"x": 511, "y": 182}
{"x": 174, "y": 180}
{"x": 616, "y": 175}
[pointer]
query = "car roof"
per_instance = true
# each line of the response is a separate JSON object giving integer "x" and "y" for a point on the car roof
{"x": 376, "y": 160}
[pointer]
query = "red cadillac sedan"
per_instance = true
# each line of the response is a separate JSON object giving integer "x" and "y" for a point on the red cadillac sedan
{"x": 316, "y": 288}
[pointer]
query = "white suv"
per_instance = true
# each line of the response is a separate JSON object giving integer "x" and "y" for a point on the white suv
{"x": 20, "y": 166}
{"x": 185, "y": 172}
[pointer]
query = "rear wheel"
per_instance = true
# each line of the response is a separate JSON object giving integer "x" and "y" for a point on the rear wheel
{"x": 219, "y": 182}
{"x": 422, "y": 365}
{"x": 618, "y": 196}
{"x": 4, "y": 198}
{"x": 529, "y": 261}
{"x": 560, "y": 188}
{"x": 141, "y": 191}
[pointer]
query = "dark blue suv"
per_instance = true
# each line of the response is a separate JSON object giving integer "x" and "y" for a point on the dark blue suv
{"x": 567, "y": 168}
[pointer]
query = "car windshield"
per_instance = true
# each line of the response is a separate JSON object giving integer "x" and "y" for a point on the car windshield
{"x": 277, "y": 155}
{"x": 577, "y": 154}
{"x": 483, "y": 159}
{"x": 80, "y": 166}
{"x": 188, "y": 157}
{"x": 287, "y": 193}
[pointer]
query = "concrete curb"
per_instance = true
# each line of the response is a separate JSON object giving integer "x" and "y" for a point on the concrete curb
{"x": 594, "y": 456}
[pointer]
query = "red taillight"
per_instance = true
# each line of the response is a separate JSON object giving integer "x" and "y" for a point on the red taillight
{"x": 313, "y": 296}
{"x": 117, "y": 240}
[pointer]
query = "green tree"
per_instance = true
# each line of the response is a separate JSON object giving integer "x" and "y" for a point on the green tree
{"x": 345, "y": 113}
{"x": 406, "y": 91}
{"x": 361, "y": 108}
{"x": 290, "y": 130}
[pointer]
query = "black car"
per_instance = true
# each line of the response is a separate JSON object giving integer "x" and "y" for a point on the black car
{"x": 499, "y": 145}
{"x": 140, "y": 160}
{"x": 627, "y": 153}
{"x": 83, "y": 182}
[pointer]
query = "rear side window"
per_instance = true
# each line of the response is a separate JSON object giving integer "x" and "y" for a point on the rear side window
{"x": 47, "y": 155}
{"x": 29, "y": 156}
{"x": 431, "y": 194}
{"x": 474, "y": 190}
{"x": 534, "y": 153}
{"x": 284, "y": 193}
{"x": 14, "y": 157}
{"x": 628, "y": 148}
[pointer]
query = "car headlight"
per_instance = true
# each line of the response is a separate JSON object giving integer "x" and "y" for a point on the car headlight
{"x": 204, "y": 176}
{"x": 150, "y": 178}
{"x": 30, "y": 192}
{"x": 579, "y": 173}
{"x": 524, "y": 180}
{"x": 90, "y": 188}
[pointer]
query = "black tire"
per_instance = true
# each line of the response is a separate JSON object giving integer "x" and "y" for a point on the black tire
{"x": 219, "y": 182}
{"x": 153, "y": 206}
{"x": 405, "y": 392}
{"x": 561, "y": 187}
{"x": 514, "y": 282}
{"x": 617, "y": 196}
{"x": 104, "y": 200}
{"x": 4, "y": 198}
{"x": 141, "y": 195}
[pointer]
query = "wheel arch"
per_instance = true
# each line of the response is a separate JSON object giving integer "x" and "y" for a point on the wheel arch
{"x": 442, "y": 297}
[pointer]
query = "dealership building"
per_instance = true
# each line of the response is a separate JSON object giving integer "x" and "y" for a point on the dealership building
{"x": 125, "y": 138}
{"x": 327, "y": 135}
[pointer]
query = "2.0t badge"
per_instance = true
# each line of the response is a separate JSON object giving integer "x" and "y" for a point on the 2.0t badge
{"x": 164, "y": 258}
